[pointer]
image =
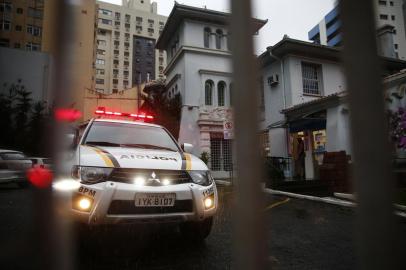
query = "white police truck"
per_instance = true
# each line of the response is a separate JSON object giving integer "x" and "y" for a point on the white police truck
{"x": 135, "y": 172}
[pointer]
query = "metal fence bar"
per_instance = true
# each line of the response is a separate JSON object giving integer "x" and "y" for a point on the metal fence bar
{"x": 375, "y": 226}
{"x": 248, "y": 232}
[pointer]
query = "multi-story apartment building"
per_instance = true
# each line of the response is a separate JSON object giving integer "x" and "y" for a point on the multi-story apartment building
{"x": 328, "y": 31}
{"x": 21, "y": 23}
{"x": 126, "y": 36}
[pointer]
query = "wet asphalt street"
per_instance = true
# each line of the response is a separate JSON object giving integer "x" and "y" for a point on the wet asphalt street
{"x": 299, "y": 235}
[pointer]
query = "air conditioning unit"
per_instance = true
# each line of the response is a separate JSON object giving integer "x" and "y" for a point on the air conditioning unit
{"x": 273, "y": 80}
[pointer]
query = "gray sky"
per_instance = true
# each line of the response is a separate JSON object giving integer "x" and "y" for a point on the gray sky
{"x": 292, "y": 17}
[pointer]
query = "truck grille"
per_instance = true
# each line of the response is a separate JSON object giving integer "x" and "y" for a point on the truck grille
{"x": 126, "y": 207}
{"x": 126, "y": 175}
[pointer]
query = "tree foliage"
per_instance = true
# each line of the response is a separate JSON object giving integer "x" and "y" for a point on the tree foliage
{"x": 397, "y": 125}
{"x": 22, "y": 121}
{"x": 166, "y": 112}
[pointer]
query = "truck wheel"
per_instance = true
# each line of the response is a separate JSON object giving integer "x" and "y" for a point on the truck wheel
{"x": 197, "y": 230}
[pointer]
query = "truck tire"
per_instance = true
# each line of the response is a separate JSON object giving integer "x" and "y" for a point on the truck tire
{"x": 197, "y": 231}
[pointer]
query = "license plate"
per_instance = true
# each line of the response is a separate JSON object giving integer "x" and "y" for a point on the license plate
{"x": 155, "y": 199}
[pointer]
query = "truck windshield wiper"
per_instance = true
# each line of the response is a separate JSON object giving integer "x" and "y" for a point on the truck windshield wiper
{"x": 101, "y": 143}
{"x": 147, "y": 146}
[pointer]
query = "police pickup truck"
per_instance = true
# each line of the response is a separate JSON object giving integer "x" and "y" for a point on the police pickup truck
{"x": 135, "y": 172}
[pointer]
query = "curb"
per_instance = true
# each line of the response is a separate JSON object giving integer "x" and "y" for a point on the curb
{"x": 328, "y": 200}
{"x": 352, "y": 197}
{"x": 311, "y": 198}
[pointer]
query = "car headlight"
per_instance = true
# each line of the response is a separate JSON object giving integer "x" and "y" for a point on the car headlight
{"x": 202, "y": 178}
{"x": 91, "y": 175}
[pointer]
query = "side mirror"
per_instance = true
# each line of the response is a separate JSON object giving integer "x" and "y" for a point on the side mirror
{"x": 187, "y": 147}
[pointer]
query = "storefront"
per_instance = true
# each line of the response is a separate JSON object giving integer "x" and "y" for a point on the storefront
{"x": 314, "y": 128}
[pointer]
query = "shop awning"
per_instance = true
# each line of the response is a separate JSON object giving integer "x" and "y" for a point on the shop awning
{"x": 307, "y": 124}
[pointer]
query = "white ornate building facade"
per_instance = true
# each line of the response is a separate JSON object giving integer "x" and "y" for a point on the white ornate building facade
{"x": 199, "y": 69}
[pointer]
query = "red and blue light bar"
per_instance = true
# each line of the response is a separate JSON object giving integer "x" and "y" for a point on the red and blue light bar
{"x": 136, "y": 116}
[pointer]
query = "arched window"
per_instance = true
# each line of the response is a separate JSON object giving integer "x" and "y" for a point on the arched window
{"x": 221, "y": 92}
{"x": 208, "y": 93}
{"x": 229, "y": 41}
{"x": 231, "y": 94}
{"x": 219, "y": 38}
{"x": 207, "y": 34}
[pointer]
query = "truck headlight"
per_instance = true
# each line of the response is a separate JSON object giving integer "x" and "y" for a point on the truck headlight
{"x": 202, "y": 178}
{"x": 91, "y": 175}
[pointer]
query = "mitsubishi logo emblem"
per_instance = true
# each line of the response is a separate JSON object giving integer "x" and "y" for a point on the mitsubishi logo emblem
{"x": 153, "y": 178}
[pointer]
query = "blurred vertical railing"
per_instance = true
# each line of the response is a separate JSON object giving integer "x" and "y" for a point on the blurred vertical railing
{"x": 375, "y": 226}
{"x": 248, "y": 233}
{"x": 55, "y": 247}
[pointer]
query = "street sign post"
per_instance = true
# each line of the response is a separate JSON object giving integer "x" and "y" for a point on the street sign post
{"x": 228, "y": 128}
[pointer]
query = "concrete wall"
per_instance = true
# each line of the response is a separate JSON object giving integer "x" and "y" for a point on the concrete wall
{"x": 338, "y": 129}
{"x": 332, "y": 78}
{"x": 125, "y": 101}
{"x": 33, "y": 68}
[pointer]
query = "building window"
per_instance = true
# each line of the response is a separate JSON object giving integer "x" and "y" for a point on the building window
{"x": 261, "y": 94}
{"x": 391, "y": 3}
{"x": 394, "y": 31}
{"x": 383, "y": 16}
{"x": 115, "y": 91}
{"x": 219, "y": 38}
{"x": 393, "y": 17}
{"x": 208, "y": 93}
{"x": 264, "y": 143}
{"x": 221, "y": 92}
{"x": 30, "y": 46}
{"x": 396, "y": 46}
{"x": 117, "y": 23}
{"x": 100, "y": 71}
{"x": 33, "y": 12}
{"x": 151, "y": 30}
{"x": 4, "y": 42}
{"x": 19, "y": 11}
{"x": 101, "y": 52}
{"x": 99, "y": 62}
{"x": 105, "y": 21}
{"x": 5, "y": 25}
{"x": 229, "y": 41}
{"x": 99, "y": 81}
{"x": 207, "y": 34}
{"x": 382, "y": 3}
{"x": 138, "y": 28}
{"x": 101, "y": 32}
{"x": 231, "y": 94}
{"x": 127, "y": 18}
{"x": 117, "y": 16}
{"x": 19, "y": 28}
{"x": 6, "y": 7}
{"x": 311, "y": 75}
{"x": 220, "y": 153}
{"x": 34, "y": 30}
{"x": 101, "y": 42}
{"x": 105, "y": 12}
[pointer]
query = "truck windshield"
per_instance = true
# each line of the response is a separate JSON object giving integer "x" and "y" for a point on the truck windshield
{"x": 129, "y": 135}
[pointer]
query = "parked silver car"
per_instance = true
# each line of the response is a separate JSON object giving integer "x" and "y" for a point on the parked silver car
{"x": 13, "y": 167}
